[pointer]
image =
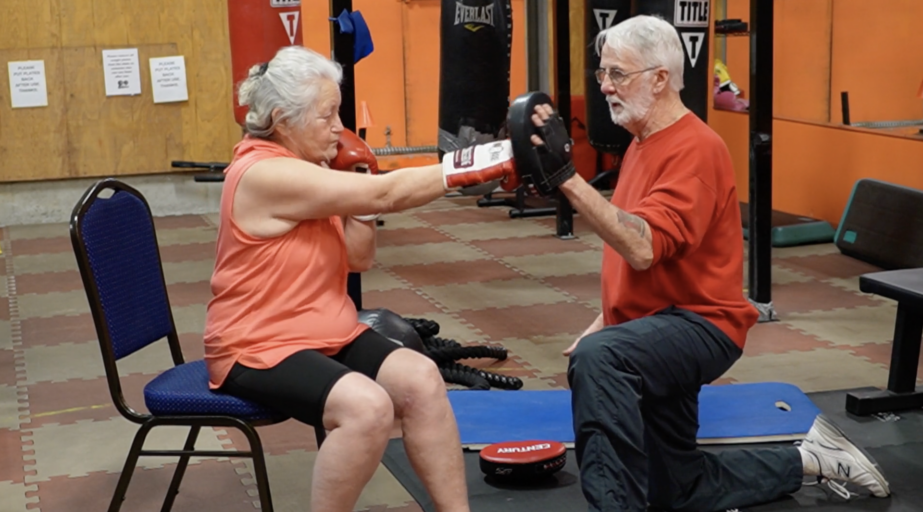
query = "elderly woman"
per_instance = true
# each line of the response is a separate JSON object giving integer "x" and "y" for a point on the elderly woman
{"x": 280, "y": 329}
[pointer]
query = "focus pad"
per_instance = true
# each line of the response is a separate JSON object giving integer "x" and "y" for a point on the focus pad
{"x": 523, "y": 460}
{"x": 547, "y": 166}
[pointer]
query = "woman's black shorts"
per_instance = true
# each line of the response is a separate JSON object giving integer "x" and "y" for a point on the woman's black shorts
{"x": 298, "y": 386}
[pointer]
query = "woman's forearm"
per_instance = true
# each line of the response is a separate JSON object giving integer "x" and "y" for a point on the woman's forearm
{"x": 360, "y": 243}
{"x": 411, "y": 187}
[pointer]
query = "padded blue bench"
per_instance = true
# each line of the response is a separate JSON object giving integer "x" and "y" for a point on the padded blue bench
{"x": 906, "y": 287}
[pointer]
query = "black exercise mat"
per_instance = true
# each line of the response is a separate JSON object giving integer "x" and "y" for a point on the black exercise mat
{"x": 557, "y": 492}
{"x": 895, "y": 441}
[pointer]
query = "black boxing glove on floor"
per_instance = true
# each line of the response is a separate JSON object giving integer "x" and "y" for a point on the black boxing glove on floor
{"x": 549, "y": 165}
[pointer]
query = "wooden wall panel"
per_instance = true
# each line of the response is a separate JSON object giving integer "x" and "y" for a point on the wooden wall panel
{"x": 33, "y": 140}
{"x": 83, "y": 132}
{"x": 121, "y": 134}
{"x": 214, "y": 122}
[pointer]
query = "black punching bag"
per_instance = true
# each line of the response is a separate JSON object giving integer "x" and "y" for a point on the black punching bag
{"x": 604, "y": 135}
{"x": 476, "y": 39}
{"x": 690, "y": 17}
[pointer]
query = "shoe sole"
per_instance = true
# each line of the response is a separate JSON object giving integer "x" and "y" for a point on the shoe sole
{"x": 855, "y": 450}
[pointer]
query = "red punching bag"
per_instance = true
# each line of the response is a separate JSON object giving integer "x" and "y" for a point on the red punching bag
{"x": 258, "y": 29}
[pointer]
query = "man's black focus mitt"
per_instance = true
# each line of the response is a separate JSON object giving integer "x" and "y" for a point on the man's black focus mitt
{"x": 547, "y": 166}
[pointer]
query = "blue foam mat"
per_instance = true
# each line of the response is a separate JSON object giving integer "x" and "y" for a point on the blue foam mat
{"x": 727, "y": 413}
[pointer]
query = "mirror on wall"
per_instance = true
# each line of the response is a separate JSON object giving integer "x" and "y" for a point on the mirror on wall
{"x": 836, "y": 62}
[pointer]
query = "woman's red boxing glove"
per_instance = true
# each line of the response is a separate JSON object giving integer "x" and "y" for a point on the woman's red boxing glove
{"x": 353, "y": 151}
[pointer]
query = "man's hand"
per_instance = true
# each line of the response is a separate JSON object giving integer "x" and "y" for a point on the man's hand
{"x": 541, "y": 143}
{"x": 596, "y": 326}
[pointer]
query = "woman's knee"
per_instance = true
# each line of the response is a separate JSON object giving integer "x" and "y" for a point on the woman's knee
{"x": 413, "y": 381}
{"x": 358, "y": 402}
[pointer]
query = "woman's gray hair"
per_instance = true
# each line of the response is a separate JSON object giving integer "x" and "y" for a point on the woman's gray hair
{"x": 654, "y": 40}
{"x": 289, "y": 82}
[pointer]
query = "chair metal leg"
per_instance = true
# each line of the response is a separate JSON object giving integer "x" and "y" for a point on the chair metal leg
{"x": 259, "y": 468}
{"x": 130, "y": 462}
{"x": 180, "y": 470}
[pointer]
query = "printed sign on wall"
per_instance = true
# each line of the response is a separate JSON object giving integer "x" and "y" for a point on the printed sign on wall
{"x": 122, "y": 72}
{"x": 28, "y": 87}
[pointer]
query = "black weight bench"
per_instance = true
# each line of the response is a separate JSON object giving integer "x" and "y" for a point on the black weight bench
{"x": 906, "y": 287}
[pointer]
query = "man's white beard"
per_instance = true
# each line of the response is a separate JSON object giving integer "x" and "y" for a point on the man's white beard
{"x": 630, "y": 112}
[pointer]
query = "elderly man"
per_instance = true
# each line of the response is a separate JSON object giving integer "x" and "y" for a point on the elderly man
{"x": 673, "y": 315}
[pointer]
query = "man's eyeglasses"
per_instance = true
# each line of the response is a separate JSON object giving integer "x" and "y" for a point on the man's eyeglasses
{"x": 617, "y": 76}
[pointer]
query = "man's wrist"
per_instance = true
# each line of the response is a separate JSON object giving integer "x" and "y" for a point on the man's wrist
{"x": 571, "y": 184}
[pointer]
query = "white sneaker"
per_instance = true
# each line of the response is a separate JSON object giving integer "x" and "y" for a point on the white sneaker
{"x": 838, "y": 459}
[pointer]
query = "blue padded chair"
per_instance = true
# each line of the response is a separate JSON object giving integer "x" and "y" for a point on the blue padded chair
{"x": 119, "y": 260}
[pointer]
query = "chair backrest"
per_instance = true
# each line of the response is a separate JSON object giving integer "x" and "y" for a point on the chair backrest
{"x": 119, "y": 260}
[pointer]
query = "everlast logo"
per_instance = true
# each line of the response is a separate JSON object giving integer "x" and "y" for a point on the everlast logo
{"x": 691, "y": 13}
{"x": 474, "y": 18}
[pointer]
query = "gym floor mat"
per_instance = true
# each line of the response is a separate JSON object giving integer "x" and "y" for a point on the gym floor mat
{"x": 735, "y": 413}
{"x": 896, "y": 442}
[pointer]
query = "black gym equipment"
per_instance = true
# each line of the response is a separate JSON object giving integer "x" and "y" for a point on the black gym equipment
{"x": 691, "y": 19}
{"x": 760, "y": 112}
{"x": 214, "y": 171}
{"x": 882, "y": 225}
{"x": 906, "y": 287}
{"x": 446, "y": 354}
{"x": 763, "y": 226}
{"x": 420, "y": 334}
{"x": 342, "y": 46}
{"x": 524, "y": 205}
{"x": 392, "y": 326}
{"x": 604, "y": 135}
{"x": 474, "y": 72}
{"x": 543, "y": 169}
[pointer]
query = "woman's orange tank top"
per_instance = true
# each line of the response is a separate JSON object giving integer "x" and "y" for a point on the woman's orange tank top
{"x": 272, "y": 297}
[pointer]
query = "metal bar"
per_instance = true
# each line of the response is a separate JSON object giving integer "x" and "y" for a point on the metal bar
{"x": 404, "y": 150}
{"x": 564, "y": 219}
{"x": 342, "y": 46}
{"x": 533, "y": 45}
{"x": 889, "y": 124}
{"x": 844, "y": 104}
{"x": 194, "y": 453}
{"x": 761, "y": 105}
{"x": 905, "y": 350}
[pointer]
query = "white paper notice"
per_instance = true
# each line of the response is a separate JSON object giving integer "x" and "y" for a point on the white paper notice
{"x": 122, "y": 72}
{"x": 168, "y": 79}
{"x": 28, "y": 87}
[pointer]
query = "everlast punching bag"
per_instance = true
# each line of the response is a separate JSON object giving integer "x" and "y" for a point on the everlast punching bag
{"x": 604, "y": 135}
{"x": 476, "y": 38}
{"x": 690, "y": 17}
